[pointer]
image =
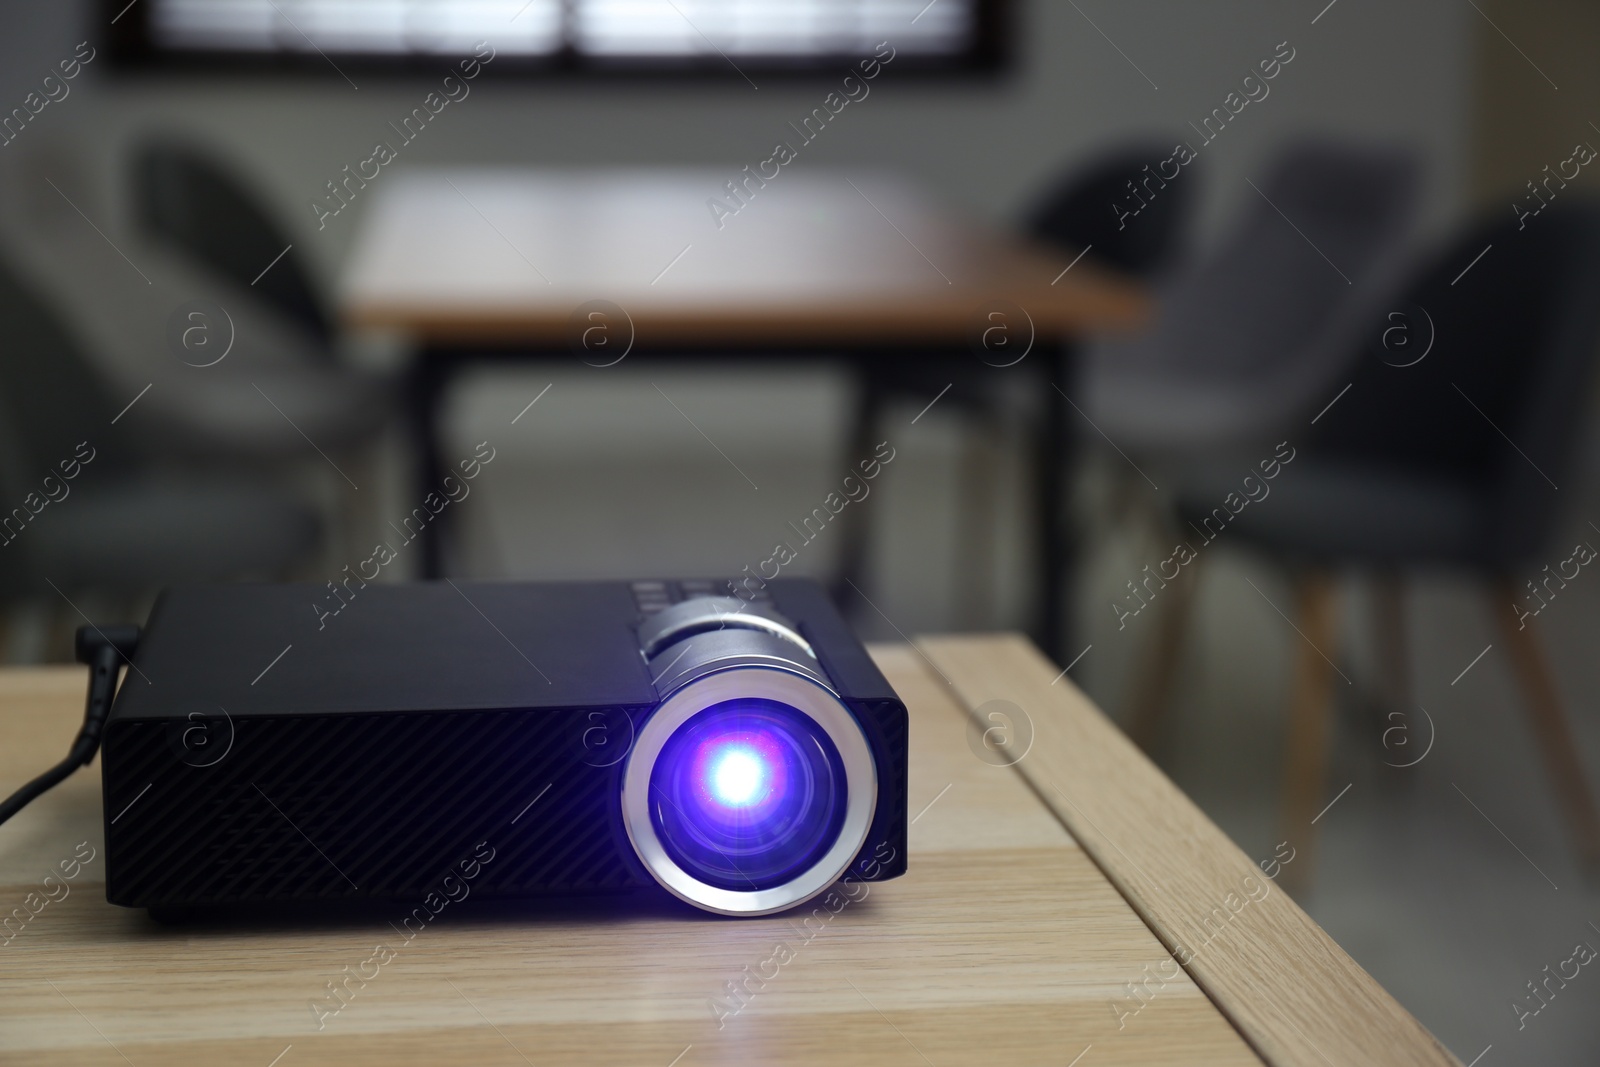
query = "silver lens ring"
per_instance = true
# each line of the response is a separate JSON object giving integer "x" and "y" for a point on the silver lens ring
{"x": 718, "y": 650}
{"x": 746, "y": 682}
{"x": 715, "y": 614}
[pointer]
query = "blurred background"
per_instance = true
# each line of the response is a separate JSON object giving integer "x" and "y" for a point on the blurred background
{"x": 1361, "y": 399}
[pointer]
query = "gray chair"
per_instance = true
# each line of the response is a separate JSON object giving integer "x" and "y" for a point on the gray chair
{"x": 1087, "y": 209}
{"x": 1443, "y": 457}
{"x": 114, "y": 524}
{"x": 64, "y": 226}
{"x": 1247, "y": 336}
{"x": 185, "y": 198}
{"x": 193, "y": 210}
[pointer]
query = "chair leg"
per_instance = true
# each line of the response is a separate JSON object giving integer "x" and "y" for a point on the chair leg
{"x": 1389, "y": 632}
{"x": 1550, "y": 726}
{"x": 1151, "y": 695}
{"x": 1392, "y": 656}
{"x": 1305, "y": 766}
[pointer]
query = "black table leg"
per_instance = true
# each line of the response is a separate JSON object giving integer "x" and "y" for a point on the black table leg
{"x": 1055, "y": 538}
{"x": 855, "y": 527}
{"x": 425, "y": 390}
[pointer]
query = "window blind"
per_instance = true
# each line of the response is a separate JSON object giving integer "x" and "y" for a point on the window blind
{"x": 600, "y": 28}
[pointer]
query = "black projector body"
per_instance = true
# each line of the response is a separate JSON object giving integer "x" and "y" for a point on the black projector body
{"x": 551, "y": 738}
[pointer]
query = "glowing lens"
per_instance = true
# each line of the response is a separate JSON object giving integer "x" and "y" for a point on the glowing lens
{"x": 748, "y": 793}
{"x": 737, "y": 776}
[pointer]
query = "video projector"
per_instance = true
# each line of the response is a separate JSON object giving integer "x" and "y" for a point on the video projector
{"x": 591, "y": 737}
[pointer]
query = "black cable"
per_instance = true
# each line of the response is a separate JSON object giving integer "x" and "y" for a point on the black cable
{"x": 103, "y": 650}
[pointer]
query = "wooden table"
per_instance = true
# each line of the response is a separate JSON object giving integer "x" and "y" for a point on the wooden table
{"x": 476, "y": 263}
{"x": 471, "y": 255}
{"x": 1037, "y": 893}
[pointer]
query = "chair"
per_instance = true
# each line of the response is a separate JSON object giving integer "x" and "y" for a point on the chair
{"x": 112, "y": 525}
{"x": 1081, "y": 211}
{"x": 1451, "y": 461}
{"x": 217, "y": 238}
{"x": 184, "y": 198}
{"x": 1249, "y": 334}
{"x": 1245, "y": 335}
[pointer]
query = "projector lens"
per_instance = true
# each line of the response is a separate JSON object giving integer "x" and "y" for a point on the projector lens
{"x": 752, "y": 787}
{"x": 747, "y": 794}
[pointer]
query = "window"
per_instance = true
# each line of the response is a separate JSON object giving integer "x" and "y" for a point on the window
{"x": 709, "y": 35}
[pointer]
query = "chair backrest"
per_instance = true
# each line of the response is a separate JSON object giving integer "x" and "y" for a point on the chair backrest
{"x": 1247, "y": 336}
{"x": 1120, "y": 208}
{"x": 50, "y": 396}
{"x": 1323, "y": 220}
{"x": 50, "y": 400}
{"x": 1512, "y": 311}
{"x": 184, "y": 198}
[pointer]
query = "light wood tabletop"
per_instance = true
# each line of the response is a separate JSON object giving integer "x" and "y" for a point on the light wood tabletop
{"x": 458, "y": 256}
{"x": 1055, "y": 875}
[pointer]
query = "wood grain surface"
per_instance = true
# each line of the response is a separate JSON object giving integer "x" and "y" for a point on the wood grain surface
{"x": 1294, "y": 994}
{"x": 507, "y": 255}
{"x": 1003, "y": 944}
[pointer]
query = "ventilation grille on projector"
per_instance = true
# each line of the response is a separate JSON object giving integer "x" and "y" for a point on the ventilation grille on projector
{"x": 377, "y": 806}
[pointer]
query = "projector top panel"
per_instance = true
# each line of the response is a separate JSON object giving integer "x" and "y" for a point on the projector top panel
{"x": 266, "y": 649}
{"x": 438, "y": 646}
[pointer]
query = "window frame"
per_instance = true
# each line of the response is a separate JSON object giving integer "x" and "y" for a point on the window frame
{"x": 131, "y": 50}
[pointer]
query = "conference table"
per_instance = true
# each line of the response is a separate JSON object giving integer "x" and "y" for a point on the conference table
{"x": 1064, "y": 904}
{"x": 603, "y": 267}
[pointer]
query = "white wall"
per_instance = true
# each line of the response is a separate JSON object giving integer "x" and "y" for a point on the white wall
{"x": 1366, "y": 67}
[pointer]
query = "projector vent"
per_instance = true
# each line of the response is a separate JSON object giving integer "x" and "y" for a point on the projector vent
{"x": 372, "y": 806}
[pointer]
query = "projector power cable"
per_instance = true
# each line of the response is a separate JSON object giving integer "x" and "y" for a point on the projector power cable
{"x": 104, "y": 650}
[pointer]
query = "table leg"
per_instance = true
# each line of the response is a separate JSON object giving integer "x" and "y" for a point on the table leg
{"x": 426, "y": 390}
{"x": 1055, "y": 537}
{"x": 855, "y": 529}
